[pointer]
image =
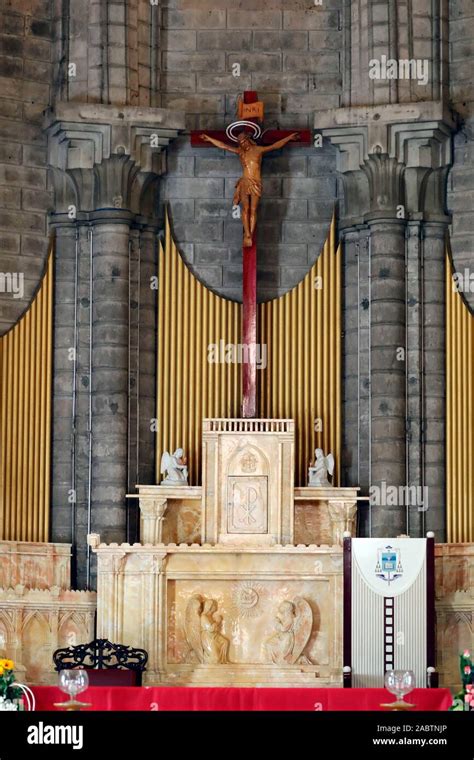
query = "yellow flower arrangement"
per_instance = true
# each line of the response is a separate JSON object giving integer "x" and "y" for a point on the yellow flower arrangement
{"x": 8, "y": 690}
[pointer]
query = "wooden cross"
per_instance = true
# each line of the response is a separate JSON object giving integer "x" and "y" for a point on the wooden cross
{"x": 250, "y": 113}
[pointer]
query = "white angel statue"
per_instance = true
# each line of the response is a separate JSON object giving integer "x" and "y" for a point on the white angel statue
{"x": 319, "y": 470}
{"x": 175, "y": 467}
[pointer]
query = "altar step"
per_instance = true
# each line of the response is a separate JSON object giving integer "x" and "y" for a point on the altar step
{"x": 258, "y": 675}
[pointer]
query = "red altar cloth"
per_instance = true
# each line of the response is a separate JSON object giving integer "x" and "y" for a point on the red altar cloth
{"x": 194, "y": 698}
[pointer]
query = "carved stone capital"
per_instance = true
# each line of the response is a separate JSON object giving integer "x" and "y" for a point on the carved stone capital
{"x": 385, "y": 184}
{"x": 159, "y": 563}
{"x": 107, "y": 156}
{"x": 152, "y": 511}
{"x": 343, "y": 518}
{"x": 391, "y": 156}
{"x": 111, "y": 562}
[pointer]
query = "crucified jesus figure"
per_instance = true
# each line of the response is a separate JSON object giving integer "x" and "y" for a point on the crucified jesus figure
{"x": 248, "y": 189}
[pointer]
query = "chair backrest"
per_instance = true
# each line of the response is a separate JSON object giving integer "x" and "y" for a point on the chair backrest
{"x": 389, "y": 610}
{"x": 113, "y": 677}
{"x": 102, "y": 656}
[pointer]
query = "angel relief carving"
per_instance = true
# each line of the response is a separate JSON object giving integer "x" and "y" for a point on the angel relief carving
{"x": 203, "y": 626}
{"x": 293, "y": 625}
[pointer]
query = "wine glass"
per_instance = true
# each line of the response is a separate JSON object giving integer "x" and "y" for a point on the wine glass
{"x": 73, "y": 682}
{"x": 400, "y": 683}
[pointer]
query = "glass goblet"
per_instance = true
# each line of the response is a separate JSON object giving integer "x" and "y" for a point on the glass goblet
{"x": 73, "y": 682}
{"x": 399, "y": 683}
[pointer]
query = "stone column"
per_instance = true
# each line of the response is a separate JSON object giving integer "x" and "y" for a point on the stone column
{"x": 106, "y": 163}
{"x": 393, "y": 133}
{"x": 152, "y": 511}
{"x": 142, "y": 360}
{"x": 65, "y": 366}
{"x": 427, "y": 445}
{"x": 394, "y": 177}
{"x": 387, "y": 457}
{"x": 109, "y": 348}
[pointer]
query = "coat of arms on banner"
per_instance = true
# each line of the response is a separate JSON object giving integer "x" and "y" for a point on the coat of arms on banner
{"x": 389, "y": 564}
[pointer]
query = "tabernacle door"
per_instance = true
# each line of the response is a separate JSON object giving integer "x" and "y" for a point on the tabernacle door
{"x": 247, "y": 504}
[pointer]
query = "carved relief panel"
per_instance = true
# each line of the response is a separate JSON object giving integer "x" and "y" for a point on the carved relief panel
{"x": 247, "y": 623}
{"x": 247, "y": 506}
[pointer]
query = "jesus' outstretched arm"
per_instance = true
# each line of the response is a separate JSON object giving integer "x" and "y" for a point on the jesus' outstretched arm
{"x": 219, "y": 143}
{"x": 280, "y": 143}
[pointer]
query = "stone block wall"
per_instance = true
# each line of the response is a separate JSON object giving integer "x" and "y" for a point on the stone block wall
{"x": 403, "y": 30}
{"x": 25, "y": 90}
{"x": 461, "y": 178}
{"x": 113, "y": 46}
{"x": 289, "y": 52}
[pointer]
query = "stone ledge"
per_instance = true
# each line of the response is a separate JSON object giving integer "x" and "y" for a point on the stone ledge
{"x": 167, "y": 492}
{"x": 314, "y": 493}
{"x": 53, "y": 594}
{"x": 115, "y": 115}
{"x": 401, "y": 132}
{"x": 163, "y": 549}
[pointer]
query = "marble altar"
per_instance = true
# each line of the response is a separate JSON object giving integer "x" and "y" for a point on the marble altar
{"x": 234, "y": 582}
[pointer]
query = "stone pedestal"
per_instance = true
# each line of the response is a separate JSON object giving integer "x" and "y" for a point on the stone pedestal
{"x": 322, "y": 515}
{"x": 155, "y": 503}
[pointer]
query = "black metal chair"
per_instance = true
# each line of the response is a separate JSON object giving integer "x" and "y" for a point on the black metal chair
{"x": 107, "y": 664}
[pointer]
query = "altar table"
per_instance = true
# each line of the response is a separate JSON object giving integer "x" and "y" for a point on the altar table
{"x": 193, "y": 698}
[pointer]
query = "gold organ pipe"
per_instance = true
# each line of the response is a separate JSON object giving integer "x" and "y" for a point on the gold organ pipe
{"x": 30, "y": 437}
{"x": 300, "y": 368}
{"x": 459, "y": 413}
{"x": 48, "y": 375}
{"x": 464, "y": 368}
{"x": 469, "y": 437}
{"x": 338, "y": 395}
{"x": 14, "y": 439}
{"x": 20, "y": 390}
{"x": 449, "y": 418}
{"x": 8, "y": 453}
{"x": 166, "y": 349}
{"x": 319, "y": 353}
{"x": 457, "y": 406}
{"x": 25, "y": 419}
{"x": 3, "y": 440}
{"x": 42, "y": 406}
{"x": 160, "y": 380}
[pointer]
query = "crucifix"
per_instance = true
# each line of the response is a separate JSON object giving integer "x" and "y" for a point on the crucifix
{"x": 241, "y": 138}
